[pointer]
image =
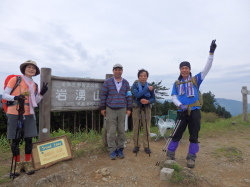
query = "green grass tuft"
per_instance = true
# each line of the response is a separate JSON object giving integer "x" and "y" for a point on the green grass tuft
{"x": 183, "y": 176}
{"x": 3, "y": 171}
{"x": 177, "y": 167}
{"x": 4, "y": 143}
{"x": 5, "y": 180}
{"x": 231, "y": 153}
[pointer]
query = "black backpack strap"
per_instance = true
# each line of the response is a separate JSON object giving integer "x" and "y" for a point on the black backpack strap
{"x": 18, "y": 80}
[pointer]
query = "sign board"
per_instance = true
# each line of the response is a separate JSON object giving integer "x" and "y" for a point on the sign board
{"x": 49, "y": 152}
{"x": 78, "y": 94}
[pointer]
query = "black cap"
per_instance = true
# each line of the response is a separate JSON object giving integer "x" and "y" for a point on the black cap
{"x": 185, "y": 63}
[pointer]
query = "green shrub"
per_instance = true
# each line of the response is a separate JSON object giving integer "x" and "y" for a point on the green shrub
{"x": 4, "y": 142}
{"x": 209, "y": 117}
{"x": 60, "y": 132}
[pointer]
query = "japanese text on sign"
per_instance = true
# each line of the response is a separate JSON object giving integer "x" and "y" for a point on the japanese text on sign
{"x": 75, "y": 94}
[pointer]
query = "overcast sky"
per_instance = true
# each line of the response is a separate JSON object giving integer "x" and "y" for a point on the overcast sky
{"x": 85, "y": 38}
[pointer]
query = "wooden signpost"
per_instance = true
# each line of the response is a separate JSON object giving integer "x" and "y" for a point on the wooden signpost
{"x": 66, "y": 94}
{"x": 245, "y": 92}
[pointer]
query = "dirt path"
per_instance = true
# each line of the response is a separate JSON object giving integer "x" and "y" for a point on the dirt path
{"x": 140, "y": 170}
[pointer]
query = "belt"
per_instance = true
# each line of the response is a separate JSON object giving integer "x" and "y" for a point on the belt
{"x": 12, "y": 103}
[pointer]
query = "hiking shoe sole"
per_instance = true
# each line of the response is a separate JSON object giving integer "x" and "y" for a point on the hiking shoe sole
{"x": 190, "y": 163}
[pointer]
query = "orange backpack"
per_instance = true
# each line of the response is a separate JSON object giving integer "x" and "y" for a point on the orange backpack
{"x": 18, "y": 80}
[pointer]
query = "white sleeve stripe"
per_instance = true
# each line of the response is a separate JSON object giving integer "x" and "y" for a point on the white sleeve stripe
{"x": 6, "y": 94}
{"x": 175, "y": 100}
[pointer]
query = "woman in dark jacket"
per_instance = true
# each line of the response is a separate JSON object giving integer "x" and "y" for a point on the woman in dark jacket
{"x": 144, "y": 96}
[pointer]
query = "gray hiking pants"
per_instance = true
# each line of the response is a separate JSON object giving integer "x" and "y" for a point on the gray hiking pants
{"x": 115, "y": 122}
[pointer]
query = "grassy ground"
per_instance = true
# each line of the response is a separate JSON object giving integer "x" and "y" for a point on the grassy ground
{"x": 88, "y": 143}
{"x": 82, "y": 144}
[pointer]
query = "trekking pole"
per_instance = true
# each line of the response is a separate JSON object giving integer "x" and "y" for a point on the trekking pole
{"x": 17, "y": 141}
{"x": 12, "y": 173}
{"x": 18, "y": 136}
{"x": 178, "y": 121}
{"x": 138, "y": 132}
{"x": 145, "y": 113}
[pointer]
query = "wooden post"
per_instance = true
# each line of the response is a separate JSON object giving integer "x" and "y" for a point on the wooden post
{"x": 92, "y": 114}
{"x": 99, "y": 122}
{"x": 86, "y": 117}
{"x": 75, "y": 123}
{"x": 244, "y": 103}
{"x": 79, "y": 122}
{"x": 44, "y": 106}
{"x": 63, "y": 120}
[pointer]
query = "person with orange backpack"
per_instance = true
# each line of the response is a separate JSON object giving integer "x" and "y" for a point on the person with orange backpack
{"x": 22, "y": 97}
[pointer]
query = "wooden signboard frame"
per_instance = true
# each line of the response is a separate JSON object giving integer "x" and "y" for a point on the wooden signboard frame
{"x": 49, "y": 152}
{"x": 66, "y": 94}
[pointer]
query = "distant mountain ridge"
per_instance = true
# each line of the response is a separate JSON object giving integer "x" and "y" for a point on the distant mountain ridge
{"x": 232, "y": 106}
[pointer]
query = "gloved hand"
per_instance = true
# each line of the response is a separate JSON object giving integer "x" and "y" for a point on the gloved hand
{"x": 20, "y": 98}
{"x": 44, "y": 88}
{"x": 213, "y": 46}
{"x": 183, "y": 107}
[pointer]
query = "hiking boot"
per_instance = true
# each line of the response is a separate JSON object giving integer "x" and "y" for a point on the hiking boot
{"x": 147, "y": 150}
{"x": 28, "y": 168}
{"x": 120, "y": 153}
{"x": 19, "y": 167}
{"x": 136, "y": 149}
{"x": 190, "y": 163}
{"x": 112, "y": 155}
